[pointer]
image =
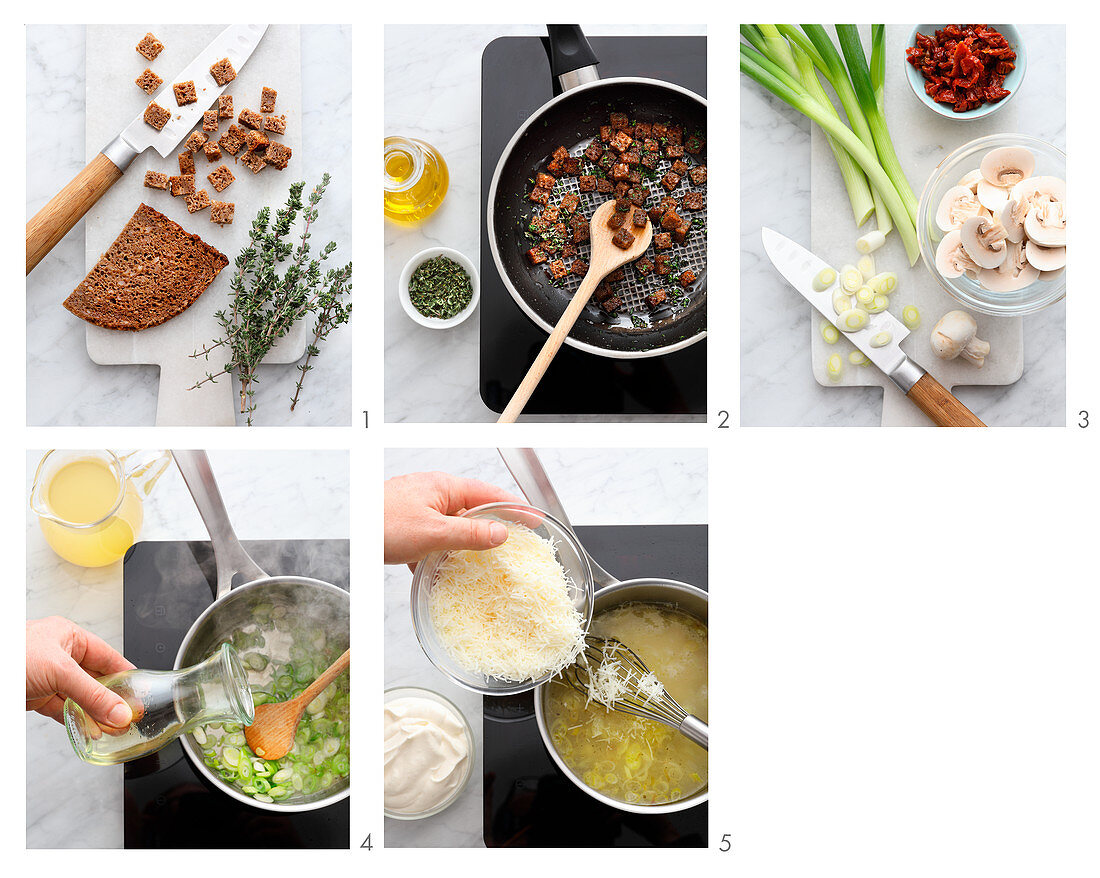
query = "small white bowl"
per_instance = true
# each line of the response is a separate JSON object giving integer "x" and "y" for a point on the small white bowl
{"x": 406, "y": 275}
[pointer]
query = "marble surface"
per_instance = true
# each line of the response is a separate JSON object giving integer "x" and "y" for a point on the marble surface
{"x": 646, "y": 486}
{"x": 777, "y": 384}
{"x": 62, "y": 791}
{"x": 432, "y": 375}
{"x": 64, "y": 387}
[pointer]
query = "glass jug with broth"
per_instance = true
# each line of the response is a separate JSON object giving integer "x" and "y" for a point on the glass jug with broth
{"x": 89, "y": 503}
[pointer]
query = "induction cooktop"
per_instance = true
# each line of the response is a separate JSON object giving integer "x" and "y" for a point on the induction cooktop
{"x": 529, "y": 802}
{"x": 168, "y": 804}
{"x": 515, "y": 82}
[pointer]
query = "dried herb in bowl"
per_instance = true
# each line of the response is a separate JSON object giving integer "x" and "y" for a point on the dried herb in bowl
{"x": 440, "y": 287}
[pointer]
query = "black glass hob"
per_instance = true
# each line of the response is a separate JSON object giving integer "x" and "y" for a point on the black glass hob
{"x": 528, "y": 801}
{"x": 515, "y": 82}
{"x": 168, "y": 804}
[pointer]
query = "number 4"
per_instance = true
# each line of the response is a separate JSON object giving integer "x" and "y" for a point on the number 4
{"x": 367, "y": 843}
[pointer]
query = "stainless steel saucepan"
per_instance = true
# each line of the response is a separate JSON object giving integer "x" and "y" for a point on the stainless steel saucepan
{"x": 242, "y": 585}
{"x": 527, "y": 470}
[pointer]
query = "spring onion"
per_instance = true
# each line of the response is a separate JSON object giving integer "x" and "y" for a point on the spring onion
{"x": 866, "y": 265}
{"x": 858, "y": 358}
{"x": 320, "y": 755}
{"x": 833, "y": 69}
{"x": 850, "y": 45}
{"x": 772, "y": 77}
{"x": 829, "y": 332}
{"x": 834, "y": 368}
{"x": 884, "y": 284}
{"x": 852, "y": 320}
{"x": 865, "y": 295}
{"x": 841, "y": 302}
{"x": 910, "y": 316}
{"x": 878, "y": 305}
{"x": 881, "y": 339}
{"x": 870, "y": 242}
{"x": 824, "y": 279}
{"x": 855, "y": 181}
{"x": 850, "y": 278}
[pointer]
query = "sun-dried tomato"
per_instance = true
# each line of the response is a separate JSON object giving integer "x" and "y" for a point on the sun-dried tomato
{"x": 964, "y": 65}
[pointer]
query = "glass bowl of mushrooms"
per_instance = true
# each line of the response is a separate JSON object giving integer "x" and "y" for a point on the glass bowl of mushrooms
{"x": 992, "y": 224}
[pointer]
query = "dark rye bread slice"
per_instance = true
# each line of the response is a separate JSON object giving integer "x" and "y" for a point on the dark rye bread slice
{"x": 153, "y": 271}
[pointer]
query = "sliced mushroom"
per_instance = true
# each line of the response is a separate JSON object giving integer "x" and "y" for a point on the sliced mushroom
{"x": 970, "y": 181}
{"x": 1045, "y": 258}
{"x": 991, "y": 195}
{"x": 1013, "y": 274}
{"x": 1013, "y": 220}
{"x": 952, "y": 259}
{"x": 956, "y": 207}
{"x": 956, "y": 335}
{"x": 1007, "y": 166}
{"x": 984, "y": 241}
{"x": 1026, "y": 191}
{"x": 1045, "y": 223}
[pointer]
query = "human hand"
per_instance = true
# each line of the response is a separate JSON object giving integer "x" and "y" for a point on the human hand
{"x": 421, "y": 516}
{"x": 63, "y": 661}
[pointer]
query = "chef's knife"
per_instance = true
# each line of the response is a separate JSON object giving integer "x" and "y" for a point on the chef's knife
{"x": 799, "y": 266}
{"x": 54, "y": 221}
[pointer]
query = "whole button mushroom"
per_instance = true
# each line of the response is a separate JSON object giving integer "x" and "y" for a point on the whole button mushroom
{"x": 956, "y": 335}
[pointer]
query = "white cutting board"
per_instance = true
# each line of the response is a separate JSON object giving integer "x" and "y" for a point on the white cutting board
{"x": 113, "y": 100}
{"x": 922, "y": 139}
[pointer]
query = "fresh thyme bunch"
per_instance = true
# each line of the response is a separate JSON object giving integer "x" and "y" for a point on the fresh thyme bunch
{"x": 266, "y": 306}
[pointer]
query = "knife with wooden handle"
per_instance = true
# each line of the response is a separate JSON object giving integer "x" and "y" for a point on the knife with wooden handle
{"x": 799, "y": 266}
{"x": 54, "y": 221}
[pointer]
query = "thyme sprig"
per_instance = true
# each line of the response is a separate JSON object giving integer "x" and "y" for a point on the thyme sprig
{"x": 266, "y": 306}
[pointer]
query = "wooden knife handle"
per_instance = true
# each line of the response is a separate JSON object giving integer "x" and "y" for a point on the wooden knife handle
{"x": 936, "y": 401}
{"x": 54, "y": 221}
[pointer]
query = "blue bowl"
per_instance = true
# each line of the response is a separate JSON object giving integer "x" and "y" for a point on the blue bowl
{"x": 1012, "y": 81}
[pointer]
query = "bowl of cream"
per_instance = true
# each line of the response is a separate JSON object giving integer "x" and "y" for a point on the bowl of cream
{"x": 429, "y": 753}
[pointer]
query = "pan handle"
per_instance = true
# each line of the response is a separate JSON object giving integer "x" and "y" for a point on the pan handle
{"x": 230, "y": 558}
{"x": 572, "y": 60}
{"x": 528, "y": 471}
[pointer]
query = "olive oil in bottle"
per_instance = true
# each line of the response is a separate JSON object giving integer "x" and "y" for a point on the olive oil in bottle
{"x": 415, "y": 180}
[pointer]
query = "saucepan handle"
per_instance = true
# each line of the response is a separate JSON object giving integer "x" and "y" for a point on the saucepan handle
{"x": 230, "y": 558}
{"x": 572, "y": 60}
{"x": 528, "y": 471}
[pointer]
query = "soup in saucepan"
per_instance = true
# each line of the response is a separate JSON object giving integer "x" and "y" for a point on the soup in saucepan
{"x": 624, "y": 757}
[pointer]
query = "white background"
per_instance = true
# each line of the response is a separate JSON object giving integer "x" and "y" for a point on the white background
{"x": 912, "y": 678}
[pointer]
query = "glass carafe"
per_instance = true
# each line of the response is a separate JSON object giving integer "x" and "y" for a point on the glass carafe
{"x": 166, "y": 704}
{"x": 414, "y": 180}
{"x": 89, "y": 503}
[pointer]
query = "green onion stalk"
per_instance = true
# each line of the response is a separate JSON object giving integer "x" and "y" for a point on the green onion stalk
{"x": 769, "y": 75}
{"x": 859, "y": 192}
{"x": 833, "y": 69}
{"x": 850, "y": 45}
{"x": 805, "y": 81}
{"x": 878, "y": 82}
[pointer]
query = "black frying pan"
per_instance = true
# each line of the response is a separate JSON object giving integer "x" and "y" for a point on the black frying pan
{"x": 572, "y": 119}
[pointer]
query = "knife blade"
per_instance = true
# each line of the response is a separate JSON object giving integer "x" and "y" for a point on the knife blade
{"x": 57, "y": 218}
{"x": 237, "y": 43}
{"x": 799, "y": 267}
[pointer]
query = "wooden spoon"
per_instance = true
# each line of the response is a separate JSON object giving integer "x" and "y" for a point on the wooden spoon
{"x": 271, "y": 734}
{"x": 605, "y": 258}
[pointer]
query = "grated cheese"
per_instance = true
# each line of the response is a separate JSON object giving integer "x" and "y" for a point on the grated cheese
{"x": 507, "y": 612}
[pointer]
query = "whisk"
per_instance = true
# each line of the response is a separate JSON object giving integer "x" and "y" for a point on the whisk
{"x": 636, "y": 689}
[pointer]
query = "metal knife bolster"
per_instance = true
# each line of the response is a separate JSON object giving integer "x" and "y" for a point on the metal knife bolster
{"x": 906, "y": 375}
{"x": 119, "y": 152}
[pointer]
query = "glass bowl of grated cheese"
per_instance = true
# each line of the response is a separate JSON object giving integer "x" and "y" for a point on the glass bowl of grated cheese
{"x": 505, "y": 620}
